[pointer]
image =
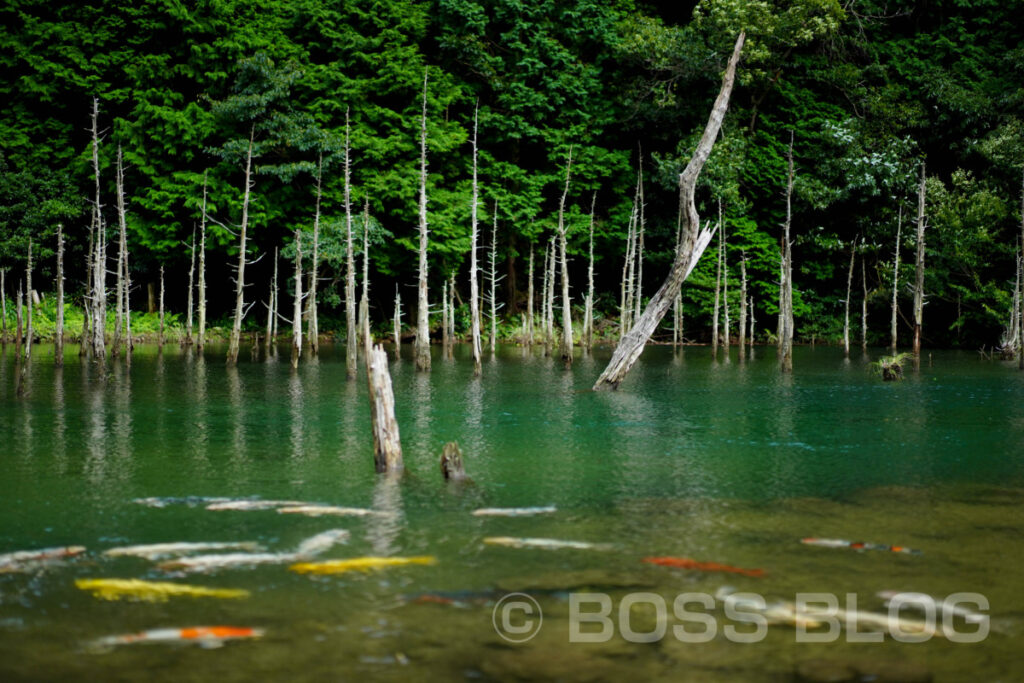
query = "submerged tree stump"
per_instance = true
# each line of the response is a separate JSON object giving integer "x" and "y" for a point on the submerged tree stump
{"x": 452, "y": 468}
{"x": 387, "y": 445}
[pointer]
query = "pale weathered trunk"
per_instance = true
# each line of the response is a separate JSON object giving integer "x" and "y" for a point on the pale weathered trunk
{"x": 191, "y": 282}
{"x": 445, "y": 341}
{"x": 297, "y": 302}
{"x": 718, "y": 287}
{"x": 751, "y": 326}
{"x": 786, "y": 331}
{"x": 566, "y": 304}
{"x": 626, "y": 304}
{"x": 896, "y": 279}
{"x": 364, "y": 298}
{"x": 422, "y": 347}
{"x": 529, "y": 301}
{"x": 119, "y": 283}
{"x": 350, "y": 265}
{"x": 271, "y": 307}
{"x": 19, "y": 323}
{"x": 587, "y": 337}
{"x": 236, "y": 326}
{"x": 677, "y": 320}
{"x": 864, "y": 304}
{"x": 544, "y": 298}
{"x": 99, "y": 257}
{"x": 58, "y": 336}
{"x": 474, "y": 287}
{"x": 494, "y": 280}
{"x": 640, "y": 225}
{"x": 725, "y": 288}
{"x": 85, "y": 339}
{"x": 202, "y": 273}
{"x": 3, "y": 306}
{"x": 694, "y": 242}
{"x": 398, "y": 323}
{"x": 160, "y": 337}
{"x": 849, "y": 293}
{"x": 313, "y": 330}
{"x": 549, "y": 340}
{"x": 387, "y": 443}
{"x": 743, "y": 306}
{"x": 1020, "y": 314}
{"x": 451, "y": 316}
{"x": 919, "y": 280}
{"x": 28, "y": 291}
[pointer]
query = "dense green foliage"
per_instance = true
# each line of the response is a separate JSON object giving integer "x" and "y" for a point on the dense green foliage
{"x": 869, "y": 89}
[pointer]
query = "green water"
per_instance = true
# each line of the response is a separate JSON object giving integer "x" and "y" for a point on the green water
{"x": 724, "y": 462}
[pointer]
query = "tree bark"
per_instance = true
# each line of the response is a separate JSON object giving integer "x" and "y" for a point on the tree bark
{"x": 786, "y": 336}
{"x": 566, "y": 304}
{"x": 58, "y": 336}
{"x": 896, "y": 278}
{"x": 864, "y": 304}
{"x": 640, "y": 225}
{"x": 919, "y": 280}
{"x": 422, "y": 348}
{"x": 364, "y": 298}
{"x": 236, "y": 326}
{"x": 99, "y": 264}
{"x": 718, "y": 288}
{"x": 494, "y": 279}
{"x": 387, "y": 443}
{"x": 549, "y": 340}
{"x": 119, "y": 283}
{"x": 312, "y": 322}
{"x": 628, "y": 266}
{"x": 743, "y": 306}
{"x": 529, "y": 302}
{"x": 28, "y": 290}
{"x": 271, "y": 294}
{"x": 695, "y": 241}
{"x": 20, "y": 324}
{"x": 849, "y": 292}
{"x": 474, "y": 286}
{"x": 587, "y": 337}
{"x": 202, "y": 273}
{"x": 350, "y": 263}
{"x": 297, "y": 302}
{"x": 160, "y": 337}
{"x": 445, "y": 341}
{"x": 191, "y": 283}
{"x": 398, "y": 323}
{"x": 3, "y": 303}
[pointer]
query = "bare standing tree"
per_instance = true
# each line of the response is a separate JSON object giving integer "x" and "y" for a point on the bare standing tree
{"x": 587, "y": 336}
{"x": 849, "y": 292}
{"x": 202, "y": 273}
{"x": 58, "y": 336}
{"x": 422, "y": 347}
{"x": 122, "y": 258}
{"x": 566, "y": 308}
{"x": 98, "y": 296}
{"x": 398, "y": 323}
{"x": 160, "y": 336}
{"x": 350, "y": 263}
{"x": 297, "y": 301}
{"x": 28, "y": 291}
{"x": 896, "y": 277}
{"x": 786, "y": 288}
{"x": 240, "y": 309}
{"x": 3, "y": 306}
{"x": 191, "y": 275}
{"x": 919, "y": 281}
{"x": 493, "y": 277}
{"x": 864, "y": 304}
{"x": 695, "y": 241}
{"x": 743, "y": 306}
{"x": 474, "y": 287}
{"x": 271, "y": 309}
{"x": 313, "y": 330}
{"x": 529, "y": 301}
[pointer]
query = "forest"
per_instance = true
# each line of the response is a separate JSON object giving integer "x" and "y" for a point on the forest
{"x": 308, "y": 147}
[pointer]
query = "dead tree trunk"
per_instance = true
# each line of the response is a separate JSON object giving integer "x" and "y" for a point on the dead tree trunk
{"x": 398, "y": 323}
{"x": 451, "y": 316}
{"x": 640, "y": 225}
{"x": 313, "y": 329}
{"x": 587, "y": 337}
{"x": 474, "y": 285}
{"x": 58, "y": 335}
{"x": 28, "y": 291}
{"x": 202, "y": 273}
{"x": 160, "y": 336}
{"x": 566, "y": 304}
{"x": 364, "y": 298}
{"x": 695, "y": 241}
{"x": 271, "y": 308}
{"x": 99, "y": 264}
{"x": 864, "y": 304}
{"x": 297, "y": 302}
{"x": 743, "y": 306}
{"x": 725, "y": 289}
{"x": 191, "y": 282}
{"x": 1020, "y": 313}
{"x": 529, "y": 301}
{"x": 849, "y": 292}
{"x": 494, "y": 279}
{"x": 85, "y": 338}
{"x": 718, "y": 287}
{"x": 350, "y": 265}
{"x": 387, "y": 444}
{"x": 919, "y": 281}
{"x": 751, "y": 326}
{"x": 20, "y": 324}
{"x": 119, "y": 283}
{"x": 628, "y": 267}
{"x": 236, "y": 326}
{"x": 445, "y": 341}
{"x": 549, "y": 339}
{"x": 422, "y": 348}
{"x": 3, "y": 304}
{"x": 896, "y": 278}
{"x": 786, "y": 312}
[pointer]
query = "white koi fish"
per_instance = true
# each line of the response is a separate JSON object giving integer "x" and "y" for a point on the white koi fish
{"x": 546, "y": 543}
{"x": 922, "y": 601}
{"x": 513, "y": 512}
{"x": 156, "y": 551}
{"x": 249, "y": 504}
{"x": 309, "y": 548}
{"x": 318, "y": 510}
{"x": 29, "y": 560}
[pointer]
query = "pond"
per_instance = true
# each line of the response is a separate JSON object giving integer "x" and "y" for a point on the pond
{"x": 720, "y": 462}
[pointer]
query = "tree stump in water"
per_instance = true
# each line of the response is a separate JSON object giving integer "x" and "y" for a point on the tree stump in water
{"x": 387, "y": 446}
{"x": 452, "y": 468}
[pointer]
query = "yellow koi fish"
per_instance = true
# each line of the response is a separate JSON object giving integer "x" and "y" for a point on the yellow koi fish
{"x": 359, "y": 563}
{"x": 152, "y": 591}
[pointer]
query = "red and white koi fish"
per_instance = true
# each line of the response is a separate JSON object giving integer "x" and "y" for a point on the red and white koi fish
{"x": 203, "y": 636}
{"x": 156, "y": 551}
{"x": 513, "y": 512}
{"x": 857, "y": 545}
{"x": 318, "y": 510}
{"x": 309, "y": 548}
{"x": 250, "y": 504}
{"x": 29, "y": 560}
{"x": 687, "y": 563}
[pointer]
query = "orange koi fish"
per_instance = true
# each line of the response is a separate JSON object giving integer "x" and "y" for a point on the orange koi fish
{"x": 687, "y": 563}
{"x": 204, "y": 636}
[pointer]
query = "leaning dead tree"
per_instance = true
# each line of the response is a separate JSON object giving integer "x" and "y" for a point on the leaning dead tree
{"x": 566, "y": 307}
{"x": 786, "y": 270}
{"x": 474, "y": 285}
{"x": 240, "y": 309}
{"x": 695, "y": 240}
{"x": 919, "y": 280}
{"x": 422, "y": 346}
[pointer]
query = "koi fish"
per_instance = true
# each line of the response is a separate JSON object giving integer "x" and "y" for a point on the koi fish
{"x": 309, "y": 548}
{"x": 922, "y": 601}
{"x": 687, "y": 563}
{"x": 513, "y": 512}
{"x": 546, "y": 543}
{"x": 318, "y": 510}
{"x": 857, "y": 545}
{"x": 778, "y": 612}
{"x": 152, "y": 591}
{"x": 156, "y": 551}
{"x": 29, "y": 560}
{"x": 358, "y": 564}
{"x": 886, "y": 622}
{"x": 250, "y": 504}
{"x": 190, "y": 501}
{"x": 204, "y": 636}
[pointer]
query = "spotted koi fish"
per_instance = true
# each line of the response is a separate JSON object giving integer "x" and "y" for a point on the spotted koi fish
{"x": 687, "y": 563}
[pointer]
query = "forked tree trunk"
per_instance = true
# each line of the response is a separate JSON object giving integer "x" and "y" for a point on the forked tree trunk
{"x": 743, "y": 306}
{"x": 387, "y": 443}
{"x": 695, "y": 241}
{"x": 566, "y": 306}
{"x": 529, "y": 301}
{"x": 896, "y": 279}
{"x": 919, "y": 280}
{"x": 313, "y": 329}
{"x": 422, "y": 347}
{"x": 350, "y": 265}
{"x": 58, "y": 336}
{"x": 587, "y": 337}
{"x": 849, "y": 292}
{"x": 236, "y": 326}
{"x": 474, "y": 285}
{"x": 202, "y": 273}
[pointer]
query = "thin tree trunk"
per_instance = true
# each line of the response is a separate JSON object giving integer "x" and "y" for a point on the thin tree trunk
{"x": 786, "y": 339}
{"x": 313, "y": 332}
{"x": 629, "y": 267}
{"x": 919, "y": 281}
{"x": 864, "y": 304}
{"x": 191, "y": 303}
{"x": 297, "y": 302}
{"x": 350, "y": 265}
{"x": 236, "y": 326}
{"x": 494, "y": 279}
{"x": 566, "y": 305}
{"x": 364, "y": 299}
{"x": 28, "y": 291}
{"x": 85, "y": 338}
{"x": 20, "y": 322}
{"x": 849, "y": 292}
{"x": 725, "y": 290}
{"x": 445, "y": 341}
{"x": 1020, "y": 314}
{"x": 474, "y": 287}
{"x": 451, "y": 316}
{"x": 129, "y": 342}
{"x": 398, "y": 323}
{"x": 3, "y": 304}
{"x": 896, "y": 278}
{"x": 587, "y": 338}
{"x": 677, "y": 319}
{"x": 743, "y": 306}
{"x": 694, "y": 243}
{"x": 271, "y": 308}
{"x": 99, "y": 276}
{"x": 718, "y": 286}
{"x": 58, "y": 336}
{"x": 640, "y": 225}
{"x": 202, "y": 272}
{"x": 529, "y": 301}
{"x": 160, "y": 337}
{"x": 550, "y": 326}
{"x": 751, "y": 326}
{"x": 422, "y": 349}
{"x": 119, "y": 284}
